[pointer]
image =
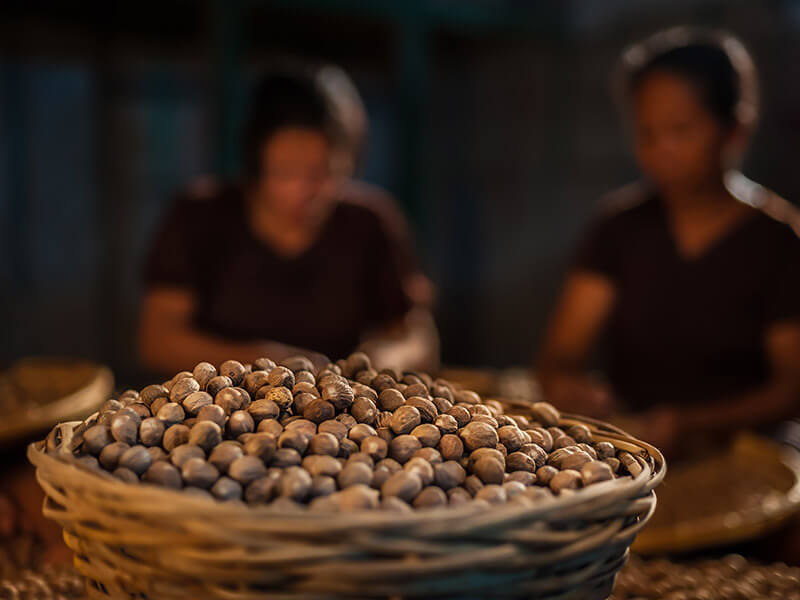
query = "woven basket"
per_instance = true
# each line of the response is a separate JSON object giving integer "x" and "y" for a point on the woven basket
{"x": 140, "y": 541}
{"x": 44, "y": 391}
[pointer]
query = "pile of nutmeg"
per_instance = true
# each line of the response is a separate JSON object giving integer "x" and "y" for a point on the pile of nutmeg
{"x": 731, "y": 577}
{"x": 46, "y": 583}
{"x": 347, "y": 437}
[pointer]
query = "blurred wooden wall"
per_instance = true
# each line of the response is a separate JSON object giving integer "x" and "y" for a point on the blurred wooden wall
{"x": 490, "y": 121}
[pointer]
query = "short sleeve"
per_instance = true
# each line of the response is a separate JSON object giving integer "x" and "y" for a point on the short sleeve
{"x": 389, "y": 300}
{"x": 398, "y": 235}
{"x": 599, "y": 249}
{"x": 169, "y": 261}
{"x": 392, "y": 221}
{"x": 399, "y": 276}
{"x": 783, "y": 303}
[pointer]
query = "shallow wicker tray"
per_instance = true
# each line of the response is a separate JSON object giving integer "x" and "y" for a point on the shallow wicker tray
{"x": 140, "y": 541}
{"x": 51, "y": 390}
{"x": 777, "y": 466}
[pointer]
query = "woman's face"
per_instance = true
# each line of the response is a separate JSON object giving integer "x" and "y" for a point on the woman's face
{"x": 296, "y": 183}
{"x": 678, "y": 143}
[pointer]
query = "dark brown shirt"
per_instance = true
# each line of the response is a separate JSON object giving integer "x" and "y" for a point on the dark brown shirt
{"x": 347, "y": 283}
{"x": 690, "y": 330}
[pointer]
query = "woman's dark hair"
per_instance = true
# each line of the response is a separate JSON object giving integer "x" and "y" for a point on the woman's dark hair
{"x": 715, "y": 64}
{"x": 280, "y": 100}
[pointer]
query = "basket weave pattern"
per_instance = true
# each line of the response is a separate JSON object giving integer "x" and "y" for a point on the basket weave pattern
{"x": 141, "y": 541}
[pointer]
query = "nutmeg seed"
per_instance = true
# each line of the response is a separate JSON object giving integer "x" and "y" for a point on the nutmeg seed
{"x": 376, "y": 447}
{"x": 246, "y": 469}
{"x": 565, "y": 480}
{"x": 478, "y": 435}
{"x": 403, "y": 485}
{"x": 198, "y": 473}
{"x": 449, "y": 474}
{"x": 405, "y": 419}
{"x": 403, "y": 446}
{"x": 181, "y": 454}
{"x": 233, "y": 370}
{"x": 223, "y": 455}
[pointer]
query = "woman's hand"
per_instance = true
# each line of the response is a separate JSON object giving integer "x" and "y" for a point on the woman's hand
{"x": 580, "y": 395}
{"x": 409, "y": 344}
{"x": 658, "y": 426}
{"x": 279, "y": 352}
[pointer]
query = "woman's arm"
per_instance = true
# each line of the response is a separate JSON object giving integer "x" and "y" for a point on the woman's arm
{"x": 411, "y": 344}
{"x": 169, "y": 343}
{"x": 580, "y": 315}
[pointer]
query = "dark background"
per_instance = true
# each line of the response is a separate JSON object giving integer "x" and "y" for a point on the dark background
{"x": 491, "y": 122}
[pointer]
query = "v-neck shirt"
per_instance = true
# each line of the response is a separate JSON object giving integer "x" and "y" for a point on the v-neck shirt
{"x": 349, "y": 281}
{"x": 690, "y": 329}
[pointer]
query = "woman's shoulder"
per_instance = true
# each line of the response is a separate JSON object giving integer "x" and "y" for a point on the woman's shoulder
{"x": 204, "y": 202}
{"x": 209, "y": 192}
{"x": 627, "y": 206}
{"x": 368, "y": 205}
{"x": 781, "y": 218}
{"x": 619, "y": 218}
{"x": 776, "y": 216}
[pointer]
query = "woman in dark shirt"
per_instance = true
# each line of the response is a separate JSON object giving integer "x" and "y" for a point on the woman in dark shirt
{"x": 293, "y": 260}
{"x": 694, "y": 273}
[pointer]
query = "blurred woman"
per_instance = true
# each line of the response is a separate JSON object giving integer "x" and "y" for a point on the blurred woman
{"x": 288, "y": 261}
{"x": 693, "y": 273}
{"x": 347, "y": 108}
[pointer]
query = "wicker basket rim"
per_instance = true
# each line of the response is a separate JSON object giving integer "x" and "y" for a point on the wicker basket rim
{"x": 155, "y": 499}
